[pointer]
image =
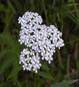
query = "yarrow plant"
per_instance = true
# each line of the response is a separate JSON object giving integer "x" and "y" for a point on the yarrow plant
{"x": 39, "y": 39}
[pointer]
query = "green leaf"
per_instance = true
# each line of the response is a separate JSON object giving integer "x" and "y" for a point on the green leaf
{"x": 64, "y": 83}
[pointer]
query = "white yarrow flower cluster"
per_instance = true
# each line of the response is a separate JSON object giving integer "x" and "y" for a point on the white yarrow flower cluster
{"x": 40, "y": 41}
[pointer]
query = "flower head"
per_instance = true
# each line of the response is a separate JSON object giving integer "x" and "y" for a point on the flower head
{"x": 40, "y": 41}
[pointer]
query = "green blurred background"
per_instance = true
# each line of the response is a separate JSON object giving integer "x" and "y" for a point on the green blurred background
{"x": 64, "y": 70}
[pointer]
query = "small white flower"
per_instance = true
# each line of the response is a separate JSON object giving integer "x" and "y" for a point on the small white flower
{"x": 40, "y": 41}
{"x": 29, "y": 60}
{"x": 29, "y": 19}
